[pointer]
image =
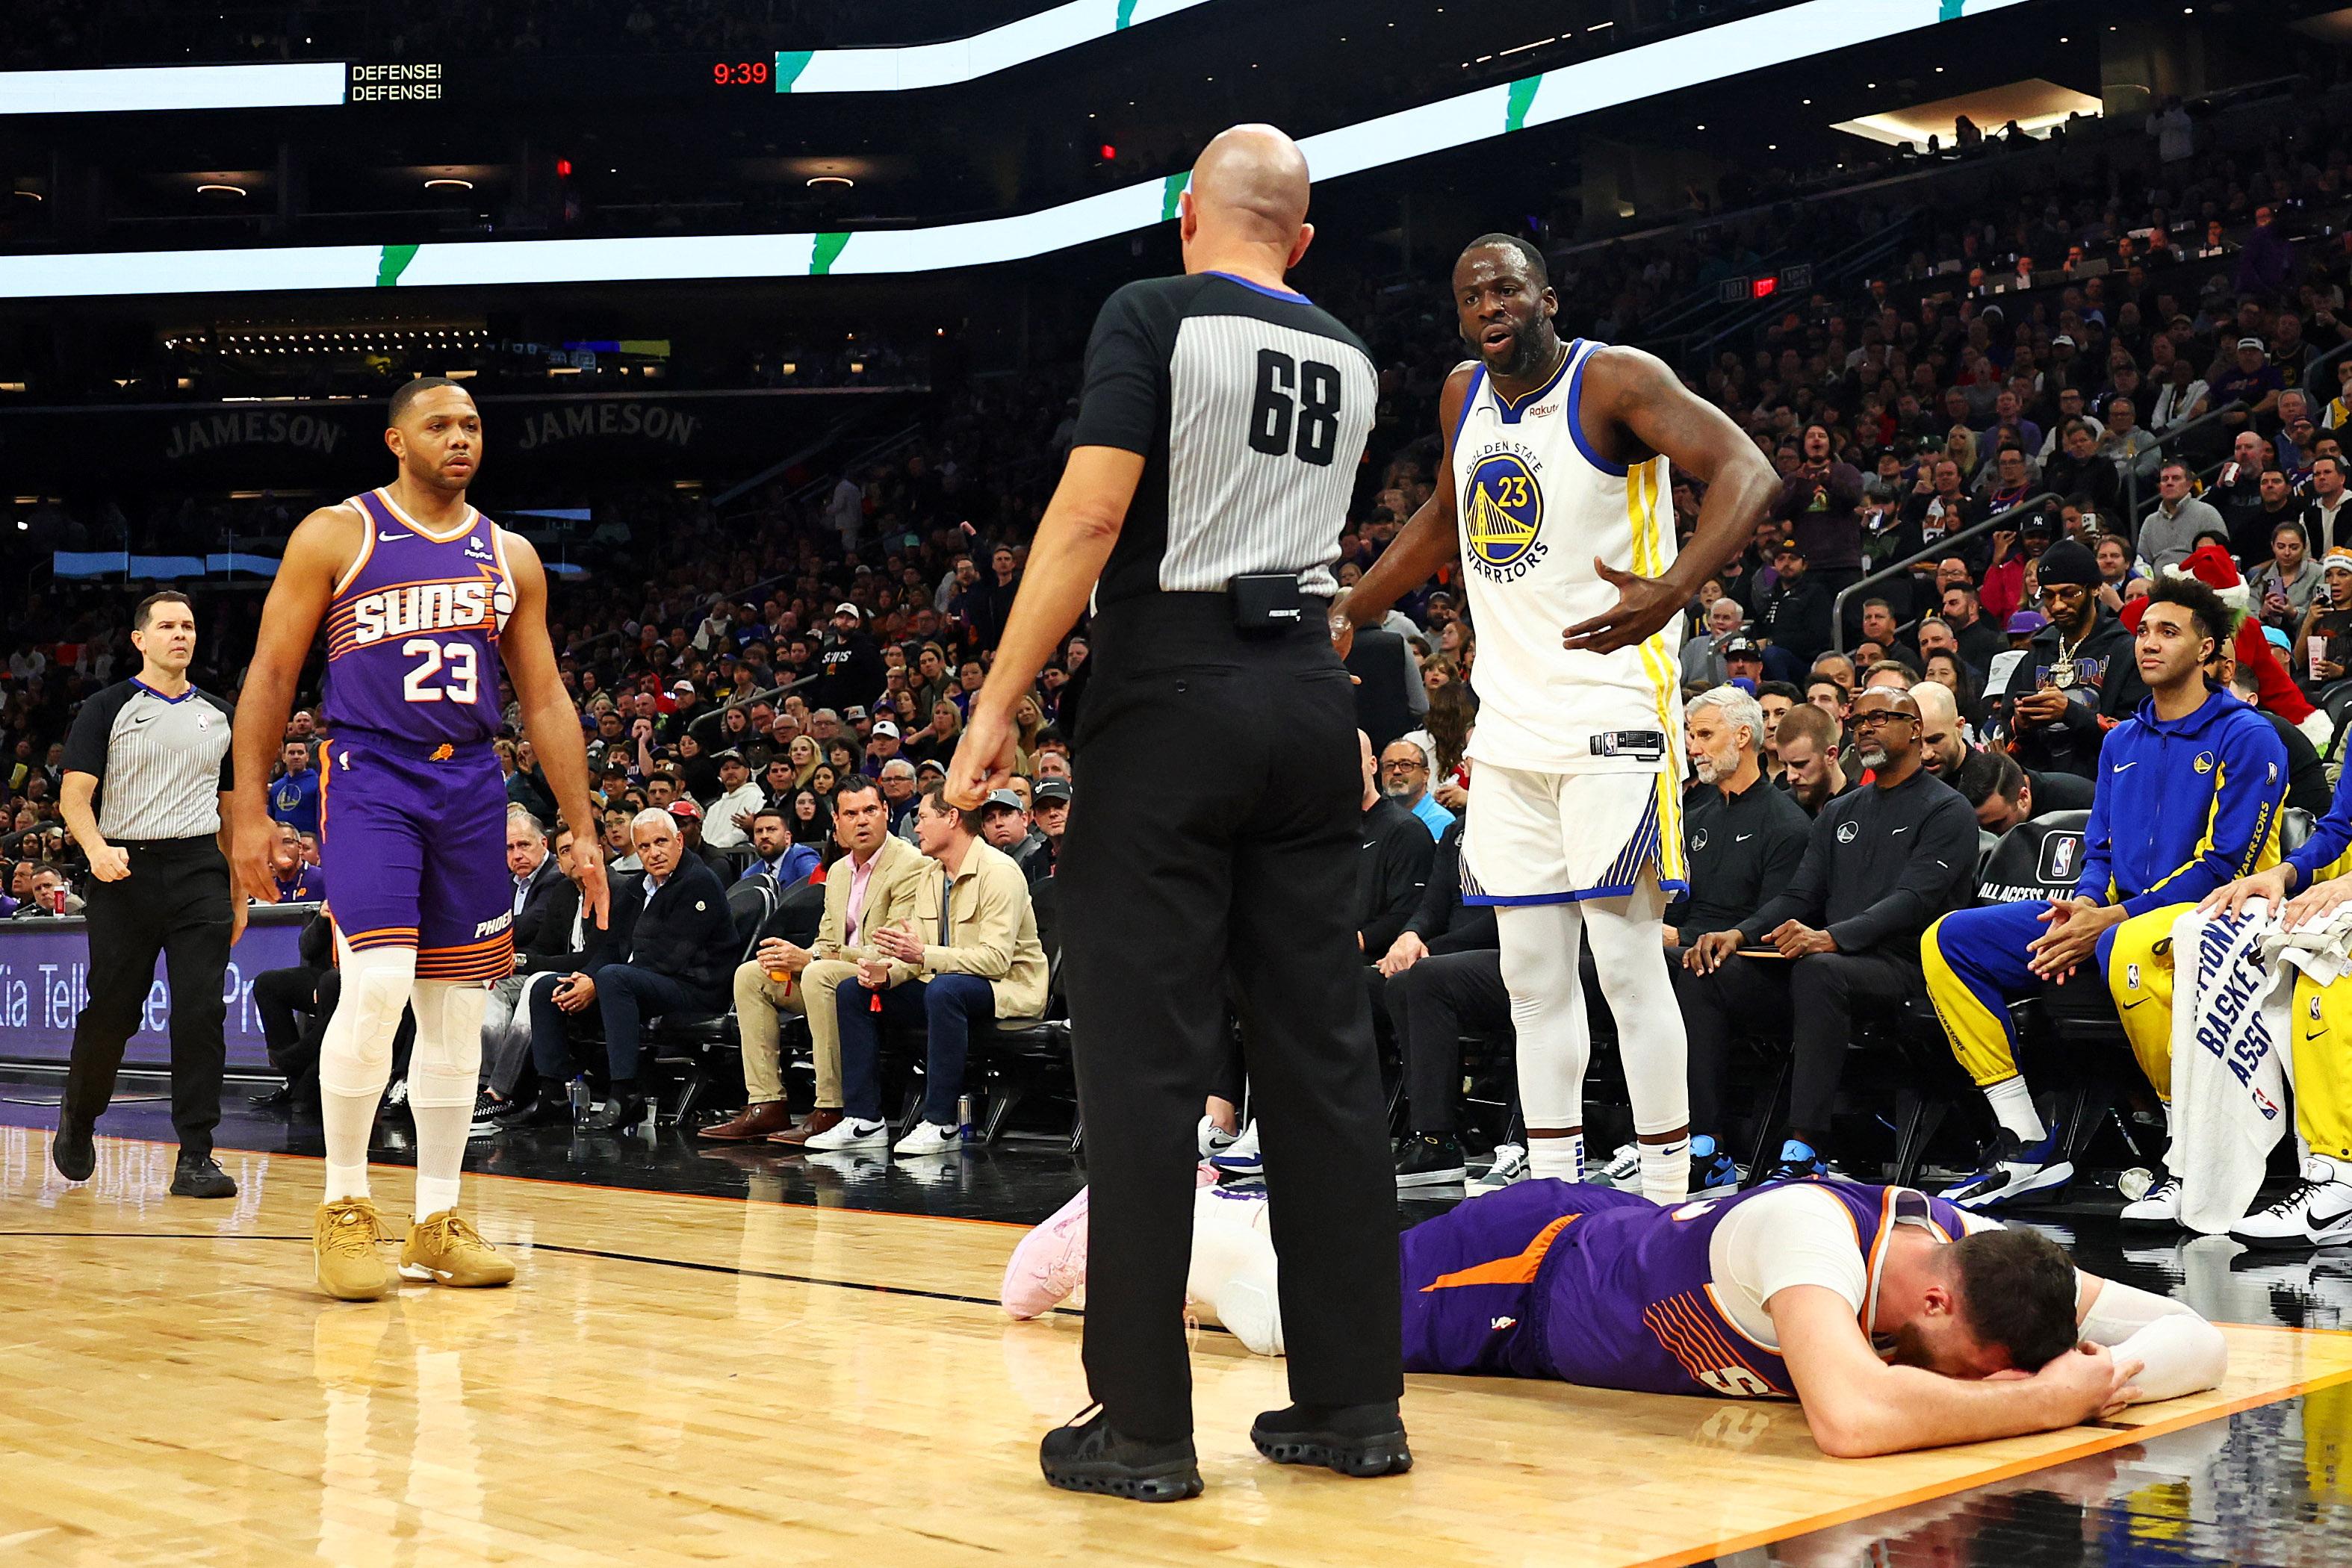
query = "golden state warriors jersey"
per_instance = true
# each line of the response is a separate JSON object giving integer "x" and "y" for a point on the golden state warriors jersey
{"x": 1537, "y": 504}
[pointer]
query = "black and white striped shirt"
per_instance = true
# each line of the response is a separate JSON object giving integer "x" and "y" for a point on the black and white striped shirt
{"x": 162, "y": 763}
{"x": 1250, "y": 407}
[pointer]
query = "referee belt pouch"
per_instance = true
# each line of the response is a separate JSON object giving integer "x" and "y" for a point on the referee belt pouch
{"x": 1267, "y": 602}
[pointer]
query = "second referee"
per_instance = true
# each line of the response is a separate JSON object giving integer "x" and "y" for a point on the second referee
{"x": 1219, "y": 437}
{"x": 145, "y": 791}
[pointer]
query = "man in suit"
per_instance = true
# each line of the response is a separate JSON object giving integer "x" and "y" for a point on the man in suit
{"x": 536, "y": 876}
{"x": 667, "y": 951}
{"x": 971, "y": 952}
{"x": 553, "y": 941}
{"x": 879, "y": 882}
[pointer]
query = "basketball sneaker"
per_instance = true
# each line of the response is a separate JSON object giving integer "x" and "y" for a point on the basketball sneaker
{"x": 1086, "y": 1455}
{"x": 1241, "y": 1161}
{"x": 1049, "y": 1265}
{"x": 1354, "y": 1439}
{"x": 1623, "y": 1170}
{"x": 342, "y": 1242}
{"x": 2317, "y": 1213}
{"x": 1430, "y": 1159}
{"x": 2159, "y": 1207}
{"x": 1712, "y": 1173}
{"x": 449, "y": 1252}
{"x": 1511, "y": 1166}
{"x": 2010, "y": 1172}
{"x": 1213, "y": 1140}
{"x": 1798, "y": 1161}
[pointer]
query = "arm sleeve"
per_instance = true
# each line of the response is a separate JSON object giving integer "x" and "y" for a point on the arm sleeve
{"x": 1126, "y": 378}
{"x": 1806, "y": 890}
{"x": 92, "y": 725}
{"x": 1945, "y": 851}
{"x": 2249, "y": 782}
{"x": 2181, "y": 1352}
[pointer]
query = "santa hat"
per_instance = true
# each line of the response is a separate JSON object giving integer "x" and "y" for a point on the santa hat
{"x": 2210, "y": 564}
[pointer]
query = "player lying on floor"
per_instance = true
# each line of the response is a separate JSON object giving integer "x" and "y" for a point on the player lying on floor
{"x": 1896, "y": 1320}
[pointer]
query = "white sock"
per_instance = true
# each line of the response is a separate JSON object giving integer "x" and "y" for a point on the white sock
{"x": 1555, "y": 1159}
{"x": 442, "y": 1073}
{"x": 2012, "y": 1106}
{"x": 348, "y": 1181}
{"x": 355, "y": 1058}
{"x": 1665, "y": 1171}
{"x": 435, "y": 1195}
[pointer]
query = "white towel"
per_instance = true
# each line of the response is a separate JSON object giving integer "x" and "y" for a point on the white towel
{"x": 2229, "y": 1074}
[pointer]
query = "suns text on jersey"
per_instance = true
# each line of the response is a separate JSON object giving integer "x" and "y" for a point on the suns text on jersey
{"x": 420, "y": 607}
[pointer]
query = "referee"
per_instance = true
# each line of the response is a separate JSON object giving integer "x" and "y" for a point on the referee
{"x": 145, "y": 791}
{"x": 1223, "y": 421}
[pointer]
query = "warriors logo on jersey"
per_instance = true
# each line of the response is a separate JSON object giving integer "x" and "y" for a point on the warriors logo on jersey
{"x": 1503, "y": 519}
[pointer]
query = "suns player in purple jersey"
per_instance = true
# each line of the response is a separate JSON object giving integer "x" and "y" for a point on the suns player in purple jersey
{"x": 421, "y": 597}
{"x": 1898, "y": 1321}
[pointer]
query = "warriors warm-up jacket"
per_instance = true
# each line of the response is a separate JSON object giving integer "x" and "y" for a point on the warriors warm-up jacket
{"x": 2183, "y": 805}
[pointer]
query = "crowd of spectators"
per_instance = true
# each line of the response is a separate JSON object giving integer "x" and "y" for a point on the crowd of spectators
{"x": 793, "y": 728}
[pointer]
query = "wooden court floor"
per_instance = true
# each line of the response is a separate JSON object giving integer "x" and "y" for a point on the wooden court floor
{"x": 699, "y": 1380}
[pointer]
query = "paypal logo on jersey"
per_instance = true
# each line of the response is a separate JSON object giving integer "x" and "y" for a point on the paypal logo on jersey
{"x": 1502, "y": 516}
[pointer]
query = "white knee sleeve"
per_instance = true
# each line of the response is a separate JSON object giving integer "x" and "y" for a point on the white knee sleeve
{"x": 1539, "y": 943}
{"x": 447, "y": 1064}
{"x": 1629, "y": 959}
{"x": 355, "y": 1054}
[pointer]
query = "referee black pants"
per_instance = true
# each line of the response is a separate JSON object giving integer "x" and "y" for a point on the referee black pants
{"x": 175, "y": 901}
{"x": 1219, "y": 834}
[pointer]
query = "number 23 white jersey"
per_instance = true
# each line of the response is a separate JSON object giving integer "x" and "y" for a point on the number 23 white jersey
{"x": 1537, "y": 504}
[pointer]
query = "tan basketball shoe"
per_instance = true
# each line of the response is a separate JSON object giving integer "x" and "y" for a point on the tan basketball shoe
{"x": 449, "y": 1252}
{"x": 343, "y": 1240}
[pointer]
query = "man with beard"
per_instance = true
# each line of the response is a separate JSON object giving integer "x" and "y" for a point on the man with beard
{"x": 849, "y": 663}
{"x": 1822, "y": 502}
{"x": 2077, "y": 677}
{"x": 1882, "y": 864}
{"x": 1811, "y": 770}
{"x": 1895, "y": 1321}
{"x": 1555, "y": 502}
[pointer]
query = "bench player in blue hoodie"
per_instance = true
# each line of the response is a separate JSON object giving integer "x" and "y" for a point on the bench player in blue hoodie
{"x": 2189, "y": 789}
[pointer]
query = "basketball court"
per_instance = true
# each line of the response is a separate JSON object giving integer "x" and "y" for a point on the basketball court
{"x": 685, "y": 1379}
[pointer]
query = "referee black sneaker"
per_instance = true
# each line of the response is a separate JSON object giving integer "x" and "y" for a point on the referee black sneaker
{"x": 75, "y": 1156}
{"x": 200, "y": 1175}
{"x": 1087, "y": 1455}
{"x": 1353, "y": 1439}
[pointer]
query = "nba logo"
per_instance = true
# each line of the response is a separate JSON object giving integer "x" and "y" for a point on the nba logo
{"x": 2061, "y": 855}
{"x": 2131, "y": 976}
{"x": 2315, "y": 1006}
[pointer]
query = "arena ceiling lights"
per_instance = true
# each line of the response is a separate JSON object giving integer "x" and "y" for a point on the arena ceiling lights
{"x": 1670, "y": 65}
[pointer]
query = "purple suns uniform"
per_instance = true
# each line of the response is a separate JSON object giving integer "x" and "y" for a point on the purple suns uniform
{"x": 411, "y": 809}
{"x": 1605, "y": 1289}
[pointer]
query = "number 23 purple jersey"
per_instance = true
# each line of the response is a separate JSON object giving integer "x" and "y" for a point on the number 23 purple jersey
{"x": 412, "y": 629}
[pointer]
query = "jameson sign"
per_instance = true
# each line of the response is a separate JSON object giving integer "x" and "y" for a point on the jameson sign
{"x": 253, "y": 427}
{"x": 631, "y": 420}
{"x": 712, "y": 436}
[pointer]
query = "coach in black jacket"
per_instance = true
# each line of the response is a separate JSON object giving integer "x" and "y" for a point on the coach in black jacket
{"x": 671, "y": 949}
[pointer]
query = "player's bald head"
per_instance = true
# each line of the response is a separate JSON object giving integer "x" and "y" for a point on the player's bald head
{"x": 1250, "y": 182}
{"x": 1880, "y": 700}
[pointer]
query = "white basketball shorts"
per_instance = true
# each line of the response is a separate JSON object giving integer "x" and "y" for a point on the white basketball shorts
{"x": 1554, "y": 838}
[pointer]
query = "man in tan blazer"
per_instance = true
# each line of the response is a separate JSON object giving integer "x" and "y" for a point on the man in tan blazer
{"x": 971, "y": 954}
{"x": 880, "y": 882}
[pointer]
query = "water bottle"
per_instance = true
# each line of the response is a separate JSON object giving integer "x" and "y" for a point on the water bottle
{"x": 2136, "y": 1182}
{"x": 578, "y": 1090}
{"x": 964, "y": 1118}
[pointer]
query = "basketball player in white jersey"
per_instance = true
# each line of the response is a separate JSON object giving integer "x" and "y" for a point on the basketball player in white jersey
{"x": 1555, "y": 496}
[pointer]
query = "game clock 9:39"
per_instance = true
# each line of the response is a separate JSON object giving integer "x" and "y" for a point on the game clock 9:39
{"x": 742, "y": 73}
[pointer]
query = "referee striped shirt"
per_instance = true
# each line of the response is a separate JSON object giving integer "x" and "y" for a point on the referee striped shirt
{"x": 1250, "y": 407}
{"x": 162, "y": 763}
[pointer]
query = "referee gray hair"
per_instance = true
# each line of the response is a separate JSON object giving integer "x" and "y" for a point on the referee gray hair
{"x": 651, "y": 817}
{"x": 1738, "y": 709}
